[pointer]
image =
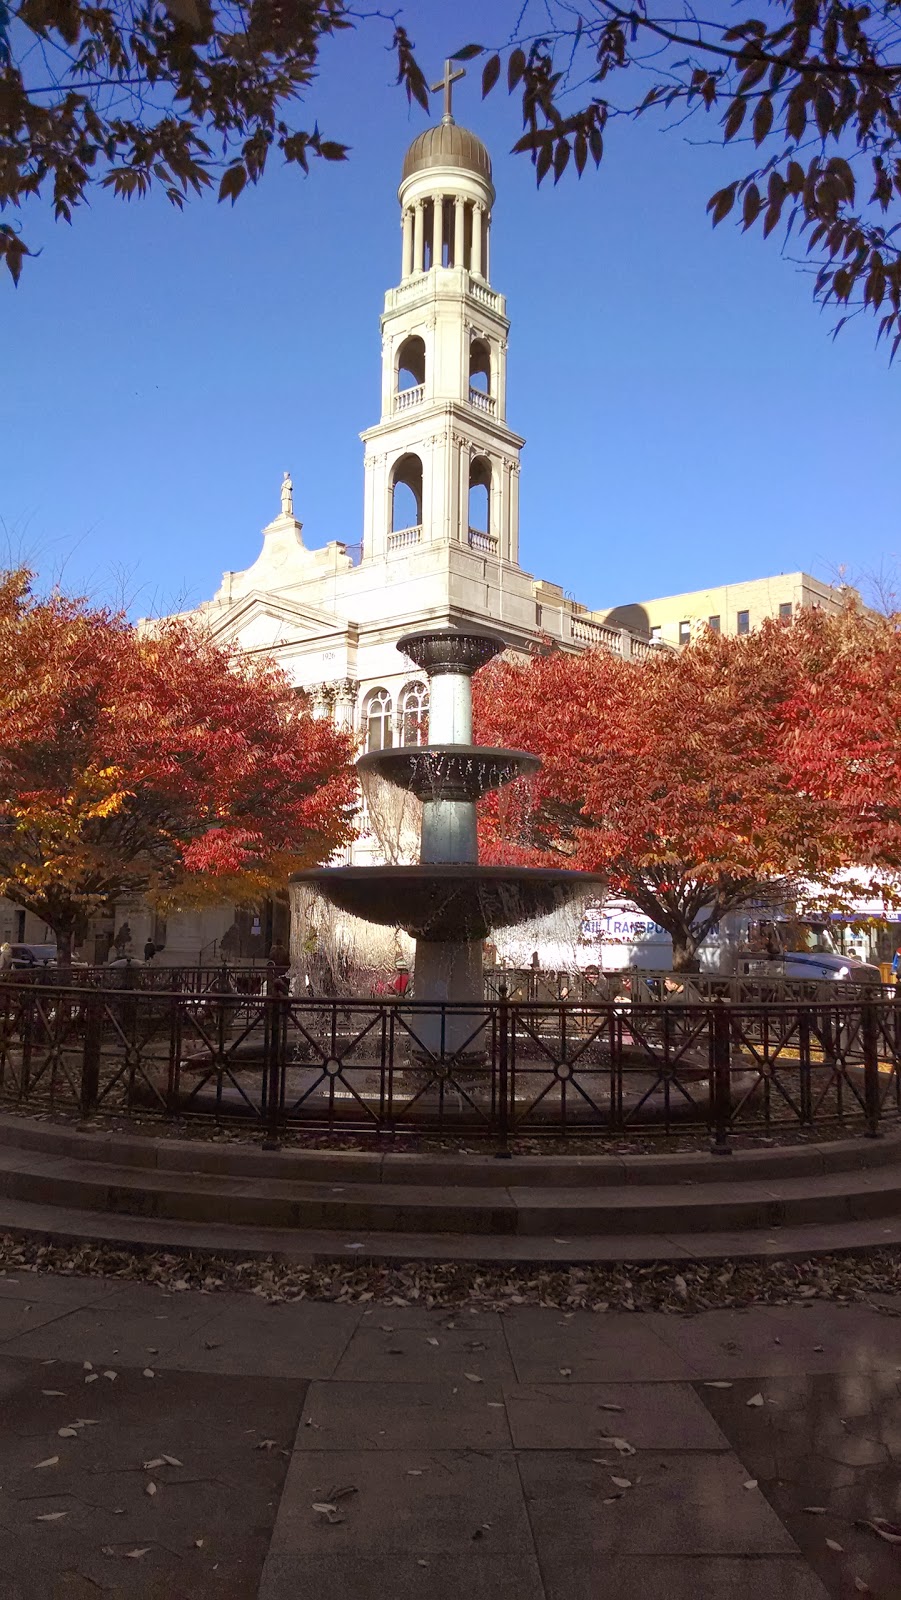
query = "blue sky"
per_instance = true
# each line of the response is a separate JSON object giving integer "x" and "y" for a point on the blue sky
{"x": 688, "y": 419}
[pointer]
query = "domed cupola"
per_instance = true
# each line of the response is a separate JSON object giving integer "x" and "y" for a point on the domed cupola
{"x": 446, "y": 195}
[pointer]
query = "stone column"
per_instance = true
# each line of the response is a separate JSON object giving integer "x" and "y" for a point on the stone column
{"x": 437, "y": 230}
{"x": 418, "y": 224}
{"x": 322, "y": 696}
{"x": 487, "y": 261}
{"x": 476, "y": 265}
{"x": 345, "y": 692}
{"x": 407, "y": 266}
{"x": 459, "y": 231}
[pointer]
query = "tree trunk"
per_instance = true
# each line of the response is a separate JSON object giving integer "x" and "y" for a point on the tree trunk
{"x": 685, "y": 954}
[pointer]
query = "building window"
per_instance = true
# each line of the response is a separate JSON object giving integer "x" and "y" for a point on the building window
{"x": 713, "y": 624}
{"x": 684, "y": 632}
{"x": 744, "y": 622}
{"x": 414, "y": 714}
{"x": 377, "y": 720}
{"x": 655, "y": 636}
{"x": 785, "y": 611}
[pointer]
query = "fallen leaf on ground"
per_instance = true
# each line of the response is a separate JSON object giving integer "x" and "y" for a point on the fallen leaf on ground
{"x": 324, "y": 1507}
{"x": 269, "y": 1444}
{"x": 150, "y": 1488}
{"x": 88, "y": 1366}
{"x": 603, "y": 1407}
{"x": 111, "y": 1375}
{"x": 51, "y": 1516}
{"x": 861, "y": 1587}
{"x": 67, "y": 1433}
{"x": 889, "y": 1531}
{"x": 755, "y": 1400}
{"x": 58, "y": 1394}
{"x": 92, "y": 1377}
{"x": 814, "y": 1511}
{"x": 52, "y": 1461}
{"x": 148, "y": 1373}
{"x": 172, "y": 1461}
{"x": 622, "y": 1445}
{"x": 622, "y": 1483}
{"x": 135, "y": 1555}
{"x": 750, "y": 1483}
{"x": 719, "y": 1383}
{"x": 151, "y": 1466}
{"x": 432, "y": 1341}
{"x": 472, "y": 1377}
{"x": 496, "y": 1405}
{"x": 198, "y": 1544}
{"x": 566, "y": 1372}
{"x": 832, "y": 1544}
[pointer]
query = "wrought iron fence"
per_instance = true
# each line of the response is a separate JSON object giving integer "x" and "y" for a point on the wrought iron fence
{"x": 497, "y": 1069}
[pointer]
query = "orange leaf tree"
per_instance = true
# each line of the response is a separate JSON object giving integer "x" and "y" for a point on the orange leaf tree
{"x": 694, "y": 780}
{"x": 152, "y": 761}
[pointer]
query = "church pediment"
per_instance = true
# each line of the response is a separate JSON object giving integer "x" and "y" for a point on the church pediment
{"x": 261, "y": 622}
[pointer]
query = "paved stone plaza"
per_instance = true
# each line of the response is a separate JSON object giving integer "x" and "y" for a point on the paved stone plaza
{"x": 534, "y": 1454}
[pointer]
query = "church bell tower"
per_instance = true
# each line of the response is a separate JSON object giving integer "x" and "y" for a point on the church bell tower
{"x": 441, "y": 466}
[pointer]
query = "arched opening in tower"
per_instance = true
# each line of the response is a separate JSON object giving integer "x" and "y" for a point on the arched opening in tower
{"x": 406, "y": 494}
{"x": 480, "y": 495}
{"x": 411, "y": 363}
{"x": 480, "y": 365}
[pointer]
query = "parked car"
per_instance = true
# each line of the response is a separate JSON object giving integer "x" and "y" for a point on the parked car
{"x": 33, "y": 955}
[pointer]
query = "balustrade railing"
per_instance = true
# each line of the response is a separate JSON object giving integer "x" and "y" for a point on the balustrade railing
{"x": 519, "y": 1065}
{"x": 587, "y": 631}
{"x": 486, "y": 542}
{"x": 480, "y": 291}
{"x": 482, "y": 401}
{"x": 404, "y": 536}
{"x": 405, "y": 398}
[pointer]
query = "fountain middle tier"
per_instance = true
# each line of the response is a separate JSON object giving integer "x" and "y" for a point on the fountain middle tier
{"x": 448, "y": 771}
{"x": 444, "y": 902}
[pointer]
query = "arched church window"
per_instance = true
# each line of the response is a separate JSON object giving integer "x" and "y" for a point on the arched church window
{"x": 414, "y": 714}
{"x": 406, "y": 494}
{"x": 480, "y": 501}
{"x": 411, "y": 363}
{"x": 377, "y": 709}
{"x": 480, "y": 366}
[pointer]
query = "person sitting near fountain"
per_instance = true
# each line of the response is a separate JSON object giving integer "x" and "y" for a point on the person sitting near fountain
{"x": 278, "y": 967}
{"x": 401, "y": 981}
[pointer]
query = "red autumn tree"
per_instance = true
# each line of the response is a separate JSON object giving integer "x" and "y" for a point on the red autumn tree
{"x": 688, "y": 779}
{"x": 151, "y": 761}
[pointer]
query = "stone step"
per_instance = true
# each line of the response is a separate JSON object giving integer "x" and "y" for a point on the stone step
{"x": 394, "y": 1165}
{"x": 65, "y": 1226}
{"x": 447, "y": 1207}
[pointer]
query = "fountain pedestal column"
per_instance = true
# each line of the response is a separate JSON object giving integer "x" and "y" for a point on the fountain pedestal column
{"x": 448, "y": 970}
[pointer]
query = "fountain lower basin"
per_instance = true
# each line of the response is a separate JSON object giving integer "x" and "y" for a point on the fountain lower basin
{"x": 444, "y": 902}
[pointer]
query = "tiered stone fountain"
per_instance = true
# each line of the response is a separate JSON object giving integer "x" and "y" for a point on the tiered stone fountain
{"x": 449, "y": 903}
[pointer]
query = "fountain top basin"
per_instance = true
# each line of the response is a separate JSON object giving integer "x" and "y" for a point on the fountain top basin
{"x": 447, "y": 902}
{"x": 448, "y": 771}
{"x": 447, "y": 650}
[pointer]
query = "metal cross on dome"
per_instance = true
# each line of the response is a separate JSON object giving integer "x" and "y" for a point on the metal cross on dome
{"x": 447, "y": 84}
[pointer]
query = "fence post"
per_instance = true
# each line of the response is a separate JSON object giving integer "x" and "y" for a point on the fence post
{"x": 503, "y": 1151}
{"x": 274, "y": 1040}
{"x": 869, "y": 1028}
{"x": 90, "y": 1061}
{"x": 720, "y": 1023}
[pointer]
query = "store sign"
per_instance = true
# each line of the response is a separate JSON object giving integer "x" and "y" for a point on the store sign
{"x": 618, "y": 925}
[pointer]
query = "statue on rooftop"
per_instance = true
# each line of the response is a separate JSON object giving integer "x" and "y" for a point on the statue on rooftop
{"x": 287, "y": 496}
